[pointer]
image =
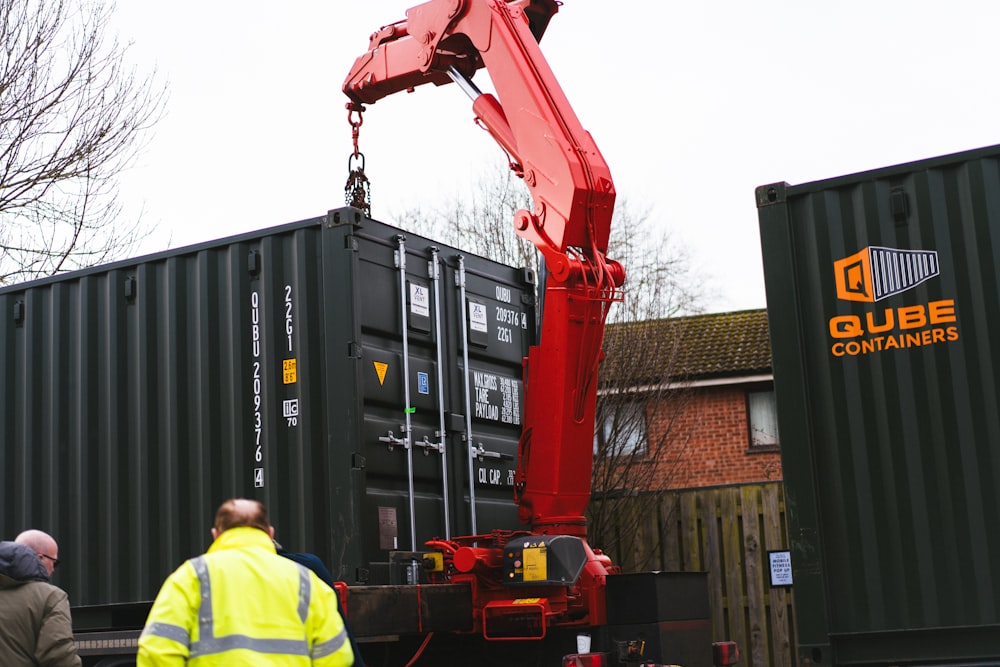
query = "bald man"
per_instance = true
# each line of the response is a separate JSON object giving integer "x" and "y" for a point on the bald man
{"x": 34, "y": 614}
{"x": 44, "y": 545}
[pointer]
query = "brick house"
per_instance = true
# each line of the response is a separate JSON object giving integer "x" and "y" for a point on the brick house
{"x": 708, "y": 397}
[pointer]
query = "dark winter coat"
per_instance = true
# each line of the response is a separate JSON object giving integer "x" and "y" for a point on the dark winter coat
{"x": 35, "y": 625}
{"x": 315, "y": 563}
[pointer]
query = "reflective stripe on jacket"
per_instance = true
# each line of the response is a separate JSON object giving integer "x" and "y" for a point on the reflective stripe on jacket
{"x": 243, "y": 604}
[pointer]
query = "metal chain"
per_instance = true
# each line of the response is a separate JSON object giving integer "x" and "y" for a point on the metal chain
{"x": 357, "y": 191}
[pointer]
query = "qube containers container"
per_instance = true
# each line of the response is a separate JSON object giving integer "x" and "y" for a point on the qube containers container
{"x": 883, "y": 298}
{"x": 363, "y": 382}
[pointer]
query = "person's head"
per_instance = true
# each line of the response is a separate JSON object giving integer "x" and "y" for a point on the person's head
{"x": 238, "y": 512}
{"x": 44, "y": 545}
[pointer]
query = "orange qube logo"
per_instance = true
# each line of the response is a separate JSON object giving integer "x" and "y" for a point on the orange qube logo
{"x": 876, "y": 273}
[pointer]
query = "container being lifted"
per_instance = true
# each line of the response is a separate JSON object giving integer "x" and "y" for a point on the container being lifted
{"x": 883, "y": 297}
{"x": 364, "y": 383}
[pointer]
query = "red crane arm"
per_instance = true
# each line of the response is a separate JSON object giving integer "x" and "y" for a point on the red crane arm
{"x": 573, "y": 195}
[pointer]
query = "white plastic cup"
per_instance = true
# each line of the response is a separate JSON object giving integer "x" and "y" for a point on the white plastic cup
{"x": 583, "y": 643}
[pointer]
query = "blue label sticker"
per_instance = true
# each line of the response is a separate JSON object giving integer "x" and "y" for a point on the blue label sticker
{"x": 423, "y": 383}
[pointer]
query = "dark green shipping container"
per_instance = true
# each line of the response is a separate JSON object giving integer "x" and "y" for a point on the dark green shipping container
{"x": 362, "y": 382}
{"x": 883, "y": 297}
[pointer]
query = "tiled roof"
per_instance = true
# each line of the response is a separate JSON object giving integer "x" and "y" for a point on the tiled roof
{"x": 716, "y": 345}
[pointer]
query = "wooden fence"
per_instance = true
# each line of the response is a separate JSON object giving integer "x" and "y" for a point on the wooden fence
{"x": 726, "y": 532}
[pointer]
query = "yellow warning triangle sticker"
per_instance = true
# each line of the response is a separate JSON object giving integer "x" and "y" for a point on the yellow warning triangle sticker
{"x": 381, "y": 367}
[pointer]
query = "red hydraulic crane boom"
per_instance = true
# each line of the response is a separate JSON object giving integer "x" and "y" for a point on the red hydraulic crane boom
{"x": 524, "y": 584}
{"x": 449, "y": 40}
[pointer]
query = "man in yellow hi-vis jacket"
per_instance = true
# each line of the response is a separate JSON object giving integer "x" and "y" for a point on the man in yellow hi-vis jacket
{"x": 243, "y": 604}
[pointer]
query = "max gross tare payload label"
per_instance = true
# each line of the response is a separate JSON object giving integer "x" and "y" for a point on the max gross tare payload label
{"x": 874, "y": 274}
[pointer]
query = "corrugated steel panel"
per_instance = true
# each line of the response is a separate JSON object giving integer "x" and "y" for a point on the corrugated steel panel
{"x": 136, "y": 397}
{"x": 883, "y": 297}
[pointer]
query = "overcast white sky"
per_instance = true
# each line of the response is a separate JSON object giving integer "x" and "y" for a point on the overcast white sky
{"x": 693, "y": 105}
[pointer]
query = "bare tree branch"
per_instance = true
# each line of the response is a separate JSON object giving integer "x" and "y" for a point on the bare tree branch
{"x": 73, "y": 115}
{"x": 642, "y": 399}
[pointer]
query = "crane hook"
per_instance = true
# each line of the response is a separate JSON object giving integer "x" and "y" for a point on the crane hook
{"x": 357, "y": 191}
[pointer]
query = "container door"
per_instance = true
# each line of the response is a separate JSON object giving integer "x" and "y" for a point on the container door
{"x": 420, "y": 404}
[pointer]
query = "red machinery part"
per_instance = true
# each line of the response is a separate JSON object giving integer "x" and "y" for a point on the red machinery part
{"x": 585, "y": 660}
{"x": 725, "y": 653}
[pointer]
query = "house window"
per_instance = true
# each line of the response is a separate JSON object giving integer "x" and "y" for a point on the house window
{"x": 763, "y": 419}
{"x": 621, "y": 429}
